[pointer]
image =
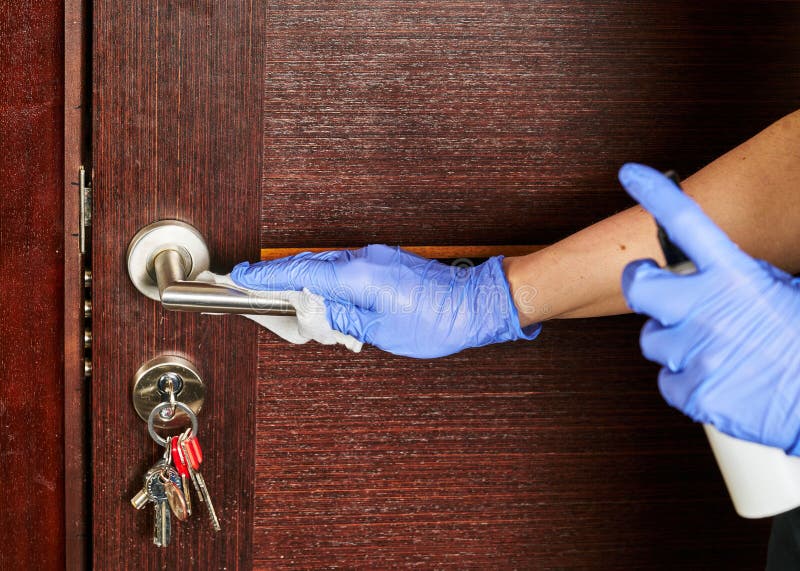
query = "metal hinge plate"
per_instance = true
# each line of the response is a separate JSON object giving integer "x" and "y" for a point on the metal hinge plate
{"x": 85, "y": 185}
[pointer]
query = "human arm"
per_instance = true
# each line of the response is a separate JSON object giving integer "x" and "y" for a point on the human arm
{"x": 751, "y": 192}
{"x": 728, "y": 337}
{"x": 416, "y": 307}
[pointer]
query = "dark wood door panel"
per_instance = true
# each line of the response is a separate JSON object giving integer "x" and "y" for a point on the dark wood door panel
{"x": 177, "y": 134}
{"x": 557, "y": 453}
{"x": 424, "y": 123}
{"x": 502, "y": 122}
{"x": 494, "y": 123}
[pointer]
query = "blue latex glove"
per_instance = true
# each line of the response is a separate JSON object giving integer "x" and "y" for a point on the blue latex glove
{"x": 397, "y": 301}
{"x": 729, "y": 335}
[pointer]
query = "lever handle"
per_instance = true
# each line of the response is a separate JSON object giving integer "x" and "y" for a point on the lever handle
{"x": 164, "y": 259}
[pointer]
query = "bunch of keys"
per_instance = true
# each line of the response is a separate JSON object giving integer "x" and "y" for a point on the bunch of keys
{"x": 187, "y": 456}
{"x": 165, "y": 484}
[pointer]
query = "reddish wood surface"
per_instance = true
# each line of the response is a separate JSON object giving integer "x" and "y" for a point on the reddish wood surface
{"x": 484, "y": 122}
{"x": 31, "y": 263}
{"x": 502, "y": 122}
{"x": 554, "y": 454}
{"x": 177, "y": 134}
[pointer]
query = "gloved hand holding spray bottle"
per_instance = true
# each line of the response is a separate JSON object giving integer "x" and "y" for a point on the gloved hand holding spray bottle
{"x": 726, "y": 329}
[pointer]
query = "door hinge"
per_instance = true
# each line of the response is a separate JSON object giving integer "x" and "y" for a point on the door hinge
{"x": 85, "y": 185}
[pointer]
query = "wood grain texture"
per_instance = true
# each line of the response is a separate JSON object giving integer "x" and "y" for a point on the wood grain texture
{"x": 482, "y": 122}
{"x": 177, "y": 134}
{"x": 502, "y": 122}
{"x": 32, "y": 265}
{"x": 553, "y": 454}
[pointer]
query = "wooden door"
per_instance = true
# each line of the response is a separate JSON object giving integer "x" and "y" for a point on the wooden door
{"x": 32, "y": 290}
{"x": 322, "y": 124}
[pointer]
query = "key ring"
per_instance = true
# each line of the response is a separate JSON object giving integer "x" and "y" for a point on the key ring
{"x": 161, "y": 406}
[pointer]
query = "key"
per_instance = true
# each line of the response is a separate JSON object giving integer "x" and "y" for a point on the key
{"x": 193, "y": 446}
{"x": 153, "y": 492}
{"x": 170, "y": 479}
{"x": 162, "y": 521}
{"x": 179, "y": 462}
{"x": 141, "y": 499}
{"x": 173, "y": 488}
{"x": 191, "y": 450}
{"x": 194, "y": 456}
{"x": 176, "y": 498}
{"x": 191, "y": 463}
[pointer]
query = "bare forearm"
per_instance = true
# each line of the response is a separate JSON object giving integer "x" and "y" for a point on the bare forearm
{"x": 752, "y": 192}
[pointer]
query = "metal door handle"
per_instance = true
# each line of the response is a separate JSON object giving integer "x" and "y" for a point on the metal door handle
{"x": 164, "y": 259}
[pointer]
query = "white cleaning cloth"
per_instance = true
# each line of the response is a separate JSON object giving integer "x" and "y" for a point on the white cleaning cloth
{"x": 310, "y": 323}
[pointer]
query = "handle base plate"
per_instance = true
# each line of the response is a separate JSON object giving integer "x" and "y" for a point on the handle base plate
{"x": 154, "y": 239}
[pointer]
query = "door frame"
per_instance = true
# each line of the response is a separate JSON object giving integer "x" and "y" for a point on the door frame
{"x": 77, "y": 282}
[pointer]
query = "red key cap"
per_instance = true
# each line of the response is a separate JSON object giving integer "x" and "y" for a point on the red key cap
{"x": 194, "y": 451}
{"x": 178, "y": 459}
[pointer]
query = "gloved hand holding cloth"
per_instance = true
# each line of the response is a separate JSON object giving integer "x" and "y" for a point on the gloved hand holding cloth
{"x": 398, "y": 301}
